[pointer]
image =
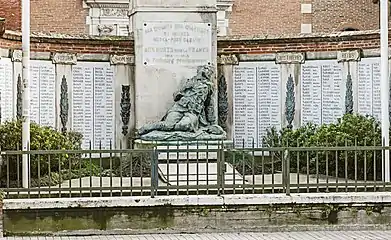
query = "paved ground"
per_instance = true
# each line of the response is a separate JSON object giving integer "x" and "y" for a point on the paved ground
{"x": 329, "y": 235}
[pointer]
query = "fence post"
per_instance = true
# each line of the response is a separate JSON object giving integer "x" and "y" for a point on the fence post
{"x": 220, "y": 169}
{"x": 154, "y": 173}
{"x": 287, "y": 172}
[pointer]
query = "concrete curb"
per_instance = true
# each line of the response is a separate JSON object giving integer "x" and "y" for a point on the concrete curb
{"x": 201, "y": 200}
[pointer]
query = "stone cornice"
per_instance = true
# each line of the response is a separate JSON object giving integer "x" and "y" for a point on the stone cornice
{"x": 70, "y": 39}
{"x": 312, "y": 38}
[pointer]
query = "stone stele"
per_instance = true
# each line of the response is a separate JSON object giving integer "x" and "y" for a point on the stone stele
{"x": 192, "y": 116}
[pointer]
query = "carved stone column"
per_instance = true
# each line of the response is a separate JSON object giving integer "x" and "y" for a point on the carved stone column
{"x": 290, "y": 63}
{"x": 350, "y": 59}
{"x": 64, "y": 62}
{"x": 124, "y": 98}
{"x": 225, "y": 79}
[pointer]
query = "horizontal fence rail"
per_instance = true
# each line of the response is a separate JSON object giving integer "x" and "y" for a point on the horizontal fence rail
{"x": 194, "y": 169}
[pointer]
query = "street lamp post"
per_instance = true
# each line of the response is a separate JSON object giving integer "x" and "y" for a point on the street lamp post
{"x": 385, "y": 87}
{"x": 26, "y": 91}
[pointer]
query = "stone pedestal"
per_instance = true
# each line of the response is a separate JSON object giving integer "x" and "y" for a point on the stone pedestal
{"x": 183, "y": 151}
{"x": 172, "y": 38}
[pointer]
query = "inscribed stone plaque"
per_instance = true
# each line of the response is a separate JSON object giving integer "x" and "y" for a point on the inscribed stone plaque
{"x": 257, "y": 102}
{"x": 177, "y": 43}
{"x": 369, "y": 102}
{"x": 321, "y": 92}
{"x": 6, "y": 96}
{"x": 290, "y": 57}
{"x": 349, "y": 55}
{"x": 93, "y": 104}
{"x": 42, "y": 93}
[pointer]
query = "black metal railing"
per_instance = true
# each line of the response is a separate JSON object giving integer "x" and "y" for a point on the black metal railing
{"x": 194, "y": 169}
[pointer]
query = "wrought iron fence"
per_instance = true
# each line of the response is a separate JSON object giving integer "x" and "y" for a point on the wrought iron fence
{"x": 193, "y": 169}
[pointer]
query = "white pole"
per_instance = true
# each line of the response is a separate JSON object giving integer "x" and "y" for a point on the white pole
{"x": 385, "y": 87}
{"x": 26, "y": 91}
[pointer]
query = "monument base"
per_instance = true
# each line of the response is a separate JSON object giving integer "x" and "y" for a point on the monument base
{"x": 182, "y": 136}
{"x": 197, "y": 150}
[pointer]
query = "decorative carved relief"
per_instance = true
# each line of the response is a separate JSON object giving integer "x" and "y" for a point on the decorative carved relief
{"x": 290, "y": 101}
{"x": 121, "y": 59}
{"x": 105, "y": 29}
{"x": 222, "y": 102}
{"x": 64, "y": 58}
{"x": 64, "y": 105}
{"x": 349, "y": 95}
{"x": 347, "y": 56}
{"x": 227, "y": 60}
{"x": 19, "y": 98}
{"x": 125, "y": 108}
{"x": 290, "y": 57}
{"x": 16, "y": 55}
{"x": 114, "y": 12}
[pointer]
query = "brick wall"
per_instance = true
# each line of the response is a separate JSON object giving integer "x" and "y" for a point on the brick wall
{"x": 329, "y": 16}
{"x": 311, "y": 43}
{"x": 266, "y": 17}
{"x": 61, "y": 16}
{"x": 10, "y": 10}
{"x": 65, "y": 16}
{"x": 248, "y": 17}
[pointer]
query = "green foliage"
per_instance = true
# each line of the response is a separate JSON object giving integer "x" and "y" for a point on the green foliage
{"x": 41, "y": 138}
{"x": 350, "y": 130}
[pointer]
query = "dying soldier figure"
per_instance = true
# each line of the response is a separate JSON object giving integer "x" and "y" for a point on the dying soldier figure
{"x": 193, "y": 111}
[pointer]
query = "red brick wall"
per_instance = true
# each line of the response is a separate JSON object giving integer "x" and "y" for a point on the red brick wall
{"x": 61, "y": 16}
{"x": 347, "y": 40}
{"x": 329, "y": 16}
{"x": 248, "y": 17}
{"x": 10, "y": 10}
{"x": 265, "y": 17}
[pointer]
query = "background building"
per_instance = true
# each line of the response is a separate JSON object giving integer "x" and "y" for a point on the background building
{"x": 235, "y": 17}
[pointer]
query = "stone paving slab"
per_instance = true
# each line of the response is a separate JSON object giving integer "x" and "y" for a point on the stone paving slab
{"x": 318, "y": 235}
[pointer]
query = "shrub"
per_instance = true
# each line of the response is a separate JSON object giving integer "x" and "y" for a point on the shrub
{"x": 350, "y": 130}
{"x": 41, "y": 138}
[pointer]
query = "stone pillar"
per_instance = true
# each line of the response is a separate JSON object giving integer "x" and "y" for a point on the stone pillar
{"x": 171, "y": 39}
{"x": 226, "y": 65}
{"x": 63, "y": 62}
{"x": 290, "y": 64}
{"x": 16, "y": 58}
{"x": 349, "y": 59}
{"x": 124, "y": 98}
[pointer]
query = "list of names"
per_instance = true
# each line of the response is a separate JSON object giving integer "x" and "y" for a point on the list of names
{"x": 93, "y": 104}
{"x": 369, "y": 87}
{"x": 321, "y": 92}
{"x": 6, "y": 90}
{"x": 257, "y": 103}
{"x": 42, "y": 93}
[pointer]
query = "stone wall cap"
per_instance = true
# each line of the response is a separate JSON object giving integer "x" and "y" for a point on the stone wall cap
{"x": 16, "y": 35}
{"x": 313, "y": 36}
{"x": 200, "y": 200}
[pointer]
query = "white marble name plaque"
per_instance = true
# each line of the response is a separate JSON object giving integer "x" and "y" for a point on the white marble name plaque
{"x": 368, "y": 79}
{"x": 6, "y": 90}
{"x": 42, "y": 93}
{"x": 321, "y": 92}
{"x": 257, "y": 101}
{"x": 93, "y": 104}
{"x": 177, "y": 43}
